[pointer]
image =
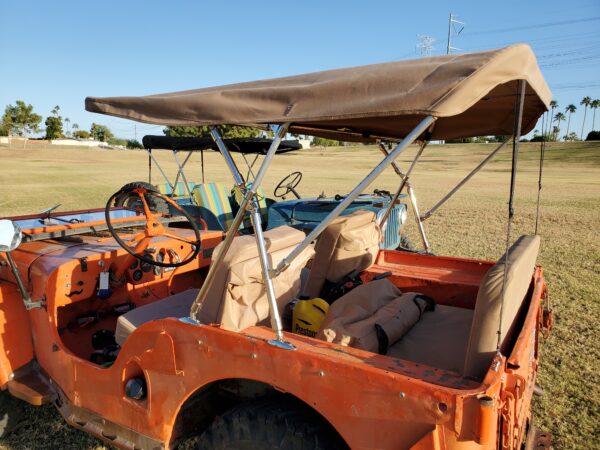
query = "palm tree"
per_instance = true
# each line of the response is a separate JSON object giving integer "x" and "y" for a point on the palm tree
{"x": 570, "y": 109}
{"x": 553, "y": 106}
{"x": 555, "y": 131}
{"x": 595, "y": 104}
{"x": 586, "y": 101}
{"x": 558, "y": 118}
{"x": 67, "y": 121}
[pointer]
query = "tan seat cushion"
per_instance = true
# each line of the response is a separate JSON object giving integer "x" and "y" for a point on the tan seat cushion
{"x": 438, "y": 340}
{"x": 481, "y": 349}
{"x": 237, "y": 298}
{"x": 349, "y": 243}
{"x": 352, "y": 318}
{"x": 177, "y": 305}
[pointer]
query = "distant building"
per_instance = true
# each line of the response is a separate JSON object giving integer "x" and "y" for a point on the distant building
{"x": 78, "y": 143}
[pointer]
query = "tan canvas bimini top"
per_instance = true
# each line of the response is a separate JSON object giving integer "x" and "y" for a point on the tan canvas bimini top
{"x": 470, "y": 94}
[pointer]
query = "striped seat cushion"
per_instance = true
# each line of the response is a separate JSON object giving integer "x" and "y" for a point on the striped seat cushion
{"x": 215, "y": 198}
{"x": 262, "y": 203}
{"x": 179, "y": 191}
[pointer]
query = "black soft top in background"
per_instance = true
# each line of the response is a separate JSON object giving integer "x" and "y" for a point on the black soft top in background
{"x": 239, "y": 145}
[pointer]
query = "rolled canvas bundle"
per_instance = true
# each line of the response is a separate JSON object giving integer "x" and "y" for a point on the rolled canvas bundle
{"x": 373, "y": 316}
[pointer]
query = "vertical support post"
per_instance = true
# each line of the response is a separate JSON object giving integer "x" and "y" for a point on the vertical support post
{"x": 516, "y": 140}
{"x": 266, "y": 272}
{"x": 149, "y": 166}
{"x": 413, "y": 202}
{"x": 202, "y": 163}
{"x": 520, "y": 101}
{"x": 226, "y": 244}
{"x": 448, "y": 46}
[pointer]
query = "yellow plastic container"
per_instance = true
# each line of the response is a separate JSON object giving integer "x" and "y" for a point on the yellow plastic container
{"x": 308, "y": 315}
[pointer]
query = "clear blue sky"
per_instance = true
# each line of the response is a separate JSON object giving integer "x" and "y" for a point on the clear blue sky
{"x": 59, "y": 52}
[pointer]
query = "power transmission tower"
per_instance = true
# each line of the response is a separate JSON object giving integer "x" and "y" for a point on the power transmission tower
{"x": 425, "y": 45}
{"x": 454, "y": 27}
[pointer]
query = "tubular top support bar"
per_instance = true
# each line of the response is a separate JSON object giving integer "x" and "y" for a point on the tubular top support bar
{"x": 237, "y": 176}
{"x": 487, "y": 159}
{"x": 403, "y": 145}
{"x": 403, "y": 177}
{"x": 185, "y": 160}
{"x": 394, "y": 165}
{"x": 237, "y": 220}
{"x": 185, "y": 181}
{"x": 160, "y": 169}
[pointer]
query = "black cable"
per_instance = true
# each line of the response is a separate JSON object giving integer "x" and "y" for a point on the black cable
{"x": 539, "y": 25}
{"x": 202, "y": 163}
{"x": 518, "y": 120}
{"x": 542, "y": 155}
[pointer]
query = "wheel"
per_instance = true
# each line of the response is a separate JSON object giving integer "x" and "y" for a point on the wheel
{"x": 148, "y": 195}
{"x": 270, "y": 424}
{"x": 288, "y": 184}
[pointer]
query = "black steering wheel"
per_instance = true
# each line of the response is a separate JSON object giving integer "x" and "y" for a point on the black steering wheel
{"x": 152, "y": 204}
{"x": 288, "y": 184}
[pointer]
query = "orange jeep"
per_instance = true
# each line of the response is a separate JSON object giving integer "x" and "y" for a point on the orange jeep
{"x": 143, "y": 329}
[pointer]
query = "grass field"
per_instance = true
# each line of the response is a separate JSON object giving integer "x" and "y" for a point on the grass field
{"x": 472, "y": 224}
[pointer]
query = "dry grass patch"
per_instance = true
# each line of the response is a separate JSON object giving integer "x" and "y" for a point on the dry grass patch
{"x": 472, "y": 224}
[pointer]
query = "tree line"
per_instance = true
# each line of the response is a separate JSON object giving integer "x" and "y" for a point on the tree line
{"x": 553, "y": 121}
{"x": 20, "y": 120}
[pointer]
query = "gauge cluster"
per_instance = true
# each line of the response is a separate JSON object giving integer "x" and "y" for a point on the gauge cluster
{"x": 142, "y": 271}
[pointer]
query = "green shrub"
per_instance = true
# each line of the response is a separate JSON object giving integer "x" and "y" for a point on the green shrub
{"x": 132, "y": 143}
{"x": 593, "y": 136}
{"x": 325, "y": 142}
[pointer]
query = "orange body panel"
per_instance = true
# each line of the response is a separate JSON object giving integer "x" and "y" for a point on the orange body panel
{"x": 373, "y": 401}
{"x": 16, "y": 347}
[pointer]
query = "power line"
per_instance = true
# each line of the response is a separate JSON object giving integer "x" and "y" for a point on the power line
{"x": 541, "y": 25}
{"x": 575, "y": 86}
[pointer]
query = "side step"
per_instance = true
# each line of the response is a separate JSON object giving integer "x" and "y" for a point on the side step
{"x": 31, "y": 386}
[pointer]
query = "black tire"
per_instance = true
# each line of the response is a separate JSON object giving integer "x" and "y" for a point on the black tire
{"x": 132, "y": 201}
{"x": 270, "y": 424}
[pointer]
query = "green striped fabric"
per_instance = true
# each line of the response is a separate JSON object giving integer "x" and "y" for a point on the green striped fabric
{"x": 214, "y": 197}
{"x": 179, "y": 191}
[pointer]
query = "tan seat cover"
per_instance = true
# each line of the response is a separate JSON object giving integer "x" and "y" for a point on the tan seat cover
{"x": 438, "y": 340}
{"x": 349, "y": 243}
{"x": 481, "y": 348}
{"x": 351, "y": 319}
{"x": 237, "y": 298}
{"x": 177, "y": 306}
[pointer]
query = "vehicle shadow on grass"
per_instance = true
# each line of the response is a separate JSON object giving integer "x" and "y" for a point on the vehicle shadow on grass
{"x": 33, "y": 427}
